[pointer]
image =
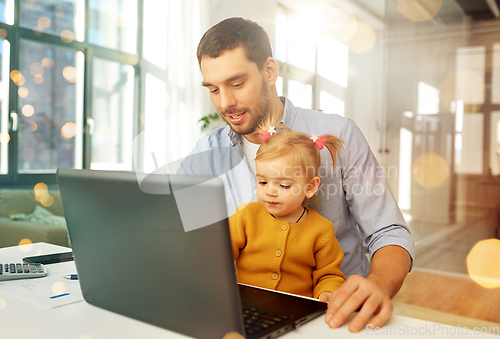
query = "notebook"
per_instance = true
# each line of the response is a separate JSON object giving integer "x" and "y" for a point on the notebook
{"x": 135, "y": 256}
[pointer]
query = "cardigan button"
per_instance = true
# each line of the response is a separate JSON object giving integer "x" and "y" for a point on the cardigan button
{"x": 274, "y": 276}
{"x": 283, "y": 227}
{"x": 278, "y": 253}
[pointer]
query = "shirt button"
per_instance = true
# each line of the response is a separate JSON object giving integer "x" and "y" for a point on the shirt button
{"x": 283, "y": 227}
{"x": 278, "y": 253}
{"x": 275, "y": 276}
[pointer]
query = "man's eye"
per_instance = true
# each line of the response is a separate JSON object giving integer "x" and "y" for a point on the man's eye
{"x": 262, "y": 183}
{"x": 238, "y": 85}
{"x": 286, "y": 186}
{"x": 214, "y": 91}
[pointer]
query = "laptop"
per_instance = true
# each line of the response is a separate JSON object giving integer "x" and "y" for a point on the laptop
{"x": 134, "y": 256}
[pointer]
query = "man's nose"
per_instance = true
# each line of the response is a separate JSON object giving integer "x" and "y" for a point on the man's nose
{"x": 227, "y": 100}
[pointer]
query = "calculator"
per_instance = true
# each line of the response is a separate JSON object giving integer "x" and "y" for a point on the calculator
{"x": 10, "y": 271}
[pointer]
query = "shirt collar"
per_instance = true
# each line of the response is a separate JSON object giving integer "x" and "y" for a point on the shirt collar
{"x": 285, "y": 120}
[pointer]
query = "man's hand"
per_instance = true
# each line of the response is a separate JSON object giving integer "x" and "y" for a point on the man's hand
{"x": 371, "y": 295}
{"x": 358, "y": 292}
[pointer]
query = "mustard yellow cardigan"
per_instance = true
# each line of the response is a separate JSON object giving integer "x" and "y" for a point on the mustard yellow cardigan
{"x": 302, "y": 258}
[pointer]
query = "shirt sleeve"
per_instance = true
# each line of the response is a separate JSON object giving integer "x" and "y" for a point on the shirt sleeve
{"x": 199, "y": 160}
{"x": 369, "y": 196}
{"x": 327, "y": 275}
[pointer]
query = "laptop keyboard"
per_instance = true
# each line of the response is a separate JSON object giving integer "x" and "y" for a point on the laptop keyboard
{"x": 259, "y": 319}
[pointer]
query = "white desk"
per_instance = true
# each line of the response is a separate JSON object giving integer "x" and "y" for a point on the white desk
{"x": 22, "y": 319}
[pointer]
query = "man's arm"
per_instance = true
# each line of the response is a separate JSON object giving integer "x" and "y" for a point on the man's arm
{"x": 388, "y": 270}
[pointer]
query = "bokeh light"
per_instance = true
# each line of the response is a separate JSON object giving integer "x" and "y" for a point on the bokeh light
{"x": 430, "y": 170}
{"x": 28, "y": 110}
{"x": 47, "y": 62}
{"x": 36, "y": 68}
{"x": 41, "y": 189}
{"x": 131, "y": 59}
{"x": 21, "y": 81}
{"x": 69, "y": 73}
{"x": 465, "y": 85}
{"x": 341, "y": 24}
{"x": 3, "y": 33}
{"x": 23, "y": 92}
{"x": 4, "y": 138}
{"x": 483, "y": 263}
{"x": 47, "y": 200}
{"x": 58, "y": 287}
{"x": 15, "y": 75}
{"x": 26, "y": 245}
{"x": 3, "y": 304}
{"x": 419, "y": 10}
{"x": 68, "y": 130}
{"x": 34, "y": 126}
{"x": 44, "y": 22}
{"x": 38, "y": 79}
{"x": 363, "y": 39}
{"x": 67, "y": 36}
{"x": 233, "y": 335}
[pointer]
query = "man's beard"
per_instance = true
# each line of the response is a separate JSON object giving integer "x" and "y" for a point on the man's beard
{"x": 261, "y": 112}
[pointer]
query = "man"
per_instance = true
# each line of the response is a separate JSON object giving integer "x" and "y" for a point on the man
{"x": 238, "y": 69}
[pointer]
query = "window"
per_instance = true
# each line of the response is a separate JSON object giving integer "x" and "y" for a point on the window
{"x": 68, "y": 94}
{"x": 469, "y": 122}
{"x": 330, "y": 104}
{"x": 301, "y": 92}
{"x": 333, "y": 58}
{"x": 46, "y": 97}
{"x": 428, "y": 99}
{"x": 313, "y": 63}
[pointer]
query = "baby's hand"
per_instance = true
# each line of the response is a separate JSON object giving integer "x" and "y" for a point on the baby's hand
{"x": 324, "y": 296}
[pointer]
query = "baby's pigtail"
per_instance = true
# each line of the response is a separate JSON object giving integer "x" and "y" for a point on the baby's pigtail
{"x": 334, "y": 145}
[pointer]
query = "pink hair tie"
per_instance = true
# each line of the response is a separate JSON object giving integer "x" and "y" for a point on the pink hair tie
{"x": 264, "y": 135}
{"x": 320, "y": 141}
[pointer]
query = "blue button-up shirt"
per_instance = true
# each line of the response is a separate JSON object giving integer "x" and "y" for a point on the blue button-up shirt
{"x": 354, "y": 195}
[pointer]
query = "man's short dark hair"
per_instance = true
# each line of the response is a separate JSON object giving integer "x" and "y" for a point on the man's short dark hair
{"x": 234, "y": 32}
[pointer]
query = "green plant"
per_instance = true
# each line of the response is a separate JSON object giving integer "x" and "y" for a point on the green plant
{"x": 207, "y": 119}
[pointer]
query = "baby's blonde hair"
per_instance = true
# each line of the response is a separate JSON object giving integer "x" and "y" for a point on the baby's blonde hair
{"x": 301, "y": 150}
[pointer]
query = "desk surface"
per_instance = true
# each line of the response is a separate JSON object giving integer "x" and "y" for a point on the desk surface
{"x": 22, "y": 319}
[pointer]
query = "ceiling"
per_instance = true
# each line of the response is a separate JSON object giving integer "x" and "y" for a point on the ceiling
{"x": 480, "y": 10}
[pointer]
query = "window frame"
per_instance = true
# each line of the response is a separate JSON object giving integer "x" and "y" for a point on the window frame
{"x": 16, "y": 33}
{"x": 319, "y": 83}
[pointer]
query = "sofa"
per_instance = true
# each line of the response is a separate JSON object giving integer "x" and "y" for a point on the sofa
{"x": 12, "y": 232}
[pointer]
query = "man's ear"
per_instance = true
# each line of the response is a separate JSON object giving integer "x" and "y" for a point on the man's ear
{"x": 271, "y": 70}
{"x": 312, "y": 187}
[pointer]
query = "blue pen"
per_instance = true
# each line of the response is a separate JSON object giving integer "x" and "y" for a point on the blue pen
{"x": 71, "y": 276}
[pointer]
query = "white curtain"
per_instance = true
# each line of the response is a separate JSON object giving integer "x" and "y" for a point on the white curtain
{"x": 174, "y": 100}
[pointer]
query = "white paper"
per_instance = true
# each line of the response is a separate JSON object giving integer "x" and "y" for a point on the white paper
{"x": 50, "y": 291}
